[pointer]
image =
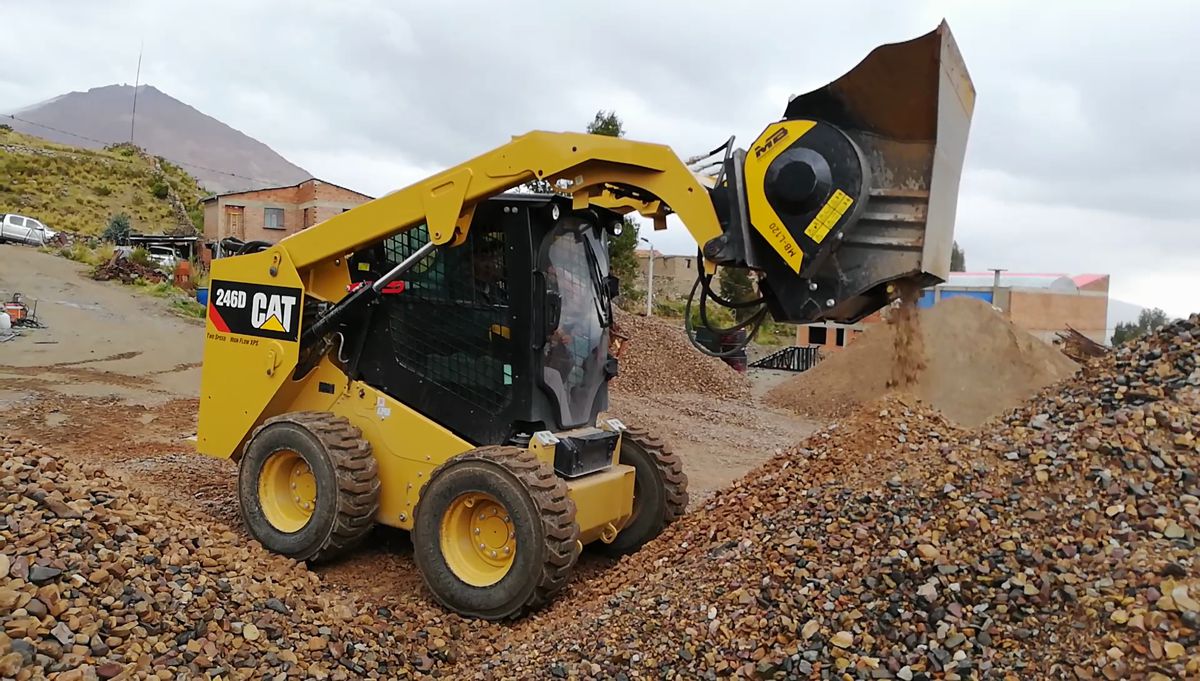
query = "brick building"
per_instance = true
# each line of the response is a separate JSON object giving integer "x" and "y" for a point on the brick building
{"x": 1042, "y": 304}
{"x": 674, "y": 275}
{"x": 271, "y": 214}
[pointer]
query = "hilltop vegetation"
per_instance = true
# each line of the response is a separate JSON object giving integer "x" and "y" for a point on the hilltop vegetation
{"x": 77, "y": 190}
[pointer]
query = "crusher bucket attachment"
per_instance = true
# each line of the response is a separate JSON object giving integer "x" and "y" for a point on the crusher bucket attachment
{"x": 855, "y": 189}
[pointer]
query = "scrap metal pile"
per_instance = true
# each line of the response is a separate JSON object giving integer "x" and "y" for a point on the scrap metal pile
{"x": 1078, "y": 346}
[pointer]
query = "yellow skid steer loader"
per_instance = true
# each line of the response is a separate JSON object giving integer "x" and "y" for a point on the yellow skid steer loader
{"x": 437, "y": 359}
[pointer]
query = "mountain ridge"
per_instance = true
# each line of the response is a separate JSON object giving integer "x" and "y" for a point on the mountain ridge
{"x": 220, "y": 156}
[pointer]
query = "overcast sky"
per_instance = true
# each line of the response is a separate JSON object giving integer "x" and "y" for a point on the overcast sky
{"x": 1084, "y": 154}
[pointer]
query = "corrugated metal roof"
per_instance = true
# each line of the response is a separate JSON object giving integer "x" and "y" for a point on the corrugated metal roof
{"x": 1054, "y": 281}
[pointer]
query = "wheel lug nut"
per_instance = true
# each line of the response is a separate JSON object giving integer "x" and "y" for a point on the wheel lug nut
{"x": 507, "y": 550}
{"x": 493, "y": 554}
{"x": 482, "y": 547}
{"x": 476, "y": 530}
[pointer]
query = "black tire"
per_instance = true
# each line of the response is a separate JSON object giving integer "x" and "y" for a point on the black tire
{"x": 543, "y": 521}
{"x": 347, "y": 484}
{"x": 659, "y": 490}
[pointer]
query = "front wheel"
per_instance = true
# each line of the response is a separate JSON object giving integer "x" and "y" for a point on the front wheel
{"x": 308, "y": 485}
{"x": 660, "y": 493}
{"x": 495, "y": 533}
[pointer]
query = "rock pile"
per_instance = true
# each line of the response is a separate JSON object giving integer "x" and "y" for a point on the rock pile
{"x": 976, "y": 364}
{"x": 97, "y": 582}
{"x": 126, "y": 271}
{"x": 1059, "y": 542}
{"x": 657, "y": 358}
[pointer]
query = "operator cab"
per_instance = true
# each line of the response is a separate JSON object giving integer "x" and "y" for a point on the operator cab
{"x": 503, "y": 336}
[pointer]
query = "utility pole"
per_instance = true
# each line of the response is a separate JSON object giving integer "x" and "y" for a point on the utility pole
{"x": 996, "y": 286}
{"x": 137, "y": 79}
{"x": 649, "y": 279}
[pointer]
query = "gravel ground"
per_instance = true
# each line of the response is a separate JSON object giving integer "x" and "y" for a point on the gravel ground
{"x": 1059, "y": 542}
{"x": 657, "y": 358}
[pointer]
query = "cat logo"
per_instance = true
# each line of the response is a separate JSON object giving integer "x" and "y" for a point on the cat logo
{"x": 775, "y": 138}
{"x": 255, "y": 310}
{"x": 272, "y": 313}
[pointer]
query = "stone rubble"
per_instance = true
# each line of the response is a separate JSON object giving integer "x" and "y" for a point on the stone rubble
{"x": 1057, "y": 542}
{"x": 658, "y": 359}
{"x": 100, "y": 582}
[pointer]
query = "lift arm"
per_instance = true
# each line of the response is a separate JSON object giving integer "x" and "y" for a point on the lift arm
{"x": 446, "y": 201}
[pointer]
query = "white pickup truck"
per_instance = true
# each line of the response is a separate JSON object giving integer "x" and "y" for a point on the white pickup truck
{"x": 23, "y": 229}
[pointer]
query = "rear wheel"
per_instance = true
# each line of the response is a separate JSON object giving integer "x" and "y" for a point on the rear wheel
{"x": 495, "y": 533}
{"x": 308, "y": 485}
{"x": 659, "y": 489}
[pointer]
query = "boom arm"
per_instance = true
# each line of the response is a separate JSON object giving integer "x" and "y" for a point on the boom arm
{"x": 852, "y": 191}
{"x": 446, "y": 201}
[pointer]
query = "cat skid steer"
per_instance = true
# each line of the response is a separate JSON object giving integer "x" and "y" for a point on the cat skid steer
{"x": 437, "y": 359}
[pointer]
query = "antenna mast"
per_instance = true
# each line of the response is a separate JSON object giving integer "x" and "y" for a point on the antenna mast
{"x": 136, "y": 81}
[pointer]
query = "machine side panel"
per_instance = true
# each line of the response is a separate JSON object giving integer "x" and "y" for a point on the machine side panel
{"x": 406, "y": 444}
{"x": 250, "y": 345}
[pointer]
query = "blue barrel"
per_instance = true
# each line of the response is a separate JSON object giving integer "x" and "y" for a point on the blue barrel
{"x": 202, "y": 296}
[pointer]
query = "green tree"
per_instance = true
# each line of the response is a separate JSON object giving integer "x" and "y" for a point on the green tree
{"x": 606, "y": 123}
{"x": 118, "y": 228}
{"x": 1125, "y": 331}
{"x": 958, "y": 258}
{"x": 736, "y": 287}
{"x": 1148, "y": 320}
{"x": 622, "y": 249}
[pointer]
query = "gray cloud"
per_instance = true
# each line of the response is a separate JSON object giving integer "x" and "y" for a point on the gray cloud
{"x": 1082, "y": 153}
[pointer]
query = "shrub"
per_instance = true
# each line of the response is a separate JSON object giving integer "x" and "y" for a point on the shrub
{"x": 196, "y": 213}
{"x": 5, "y": 127}
{"x": 199, "y": 276}
{"x": 188, "y": 307}
{"x": 141, "y": 256}
{"x": 77, "y": 252}
{"x": 103, "y": 253}
{"x": 118, "y": 228}
{"x": 159, "y": 188}
{"x": 102, "y": 190}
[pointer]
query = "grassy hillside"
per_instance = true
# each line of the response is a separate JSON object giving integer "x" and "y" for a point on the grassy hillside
{"x": 77, "y": 190}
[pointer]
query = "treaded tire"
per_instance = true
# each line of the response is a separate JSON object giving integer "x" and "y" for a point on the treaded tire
{"x": 347, "y": 479}
{"x": 659, "y": 488}
{"x": 543, "y": 518}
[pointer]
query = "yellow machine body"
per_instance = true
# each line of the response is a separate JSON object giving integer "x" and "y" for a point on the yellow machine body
{"x": 249, "y": 378}
{"x": 821, "y": 253}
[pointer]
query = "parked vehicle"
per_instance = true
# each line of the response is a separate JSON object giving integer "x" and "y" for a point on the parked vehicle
{"x": 164, "y": 257}
{"x": 24, "y": 229}
{"x": 161, "y": 257}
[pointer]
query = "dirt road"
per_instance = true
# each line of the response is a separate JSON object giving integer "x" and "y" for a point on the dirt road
{"x": 102, "y": 338}
{"x": 115, "y": 379}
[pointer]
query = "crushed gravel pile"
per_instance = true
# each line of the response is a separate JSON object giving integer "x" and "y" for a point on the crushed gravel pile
{"x": 657, "y": 358}
{"x": 1058, "y": 542}
{"x": 975, "y": 365}
{"x": 99, "y": 582}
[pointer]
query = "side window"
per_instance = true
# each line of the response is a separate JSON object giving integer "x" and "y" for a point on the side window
{"x": 16, "y": 220}
{"x": 273, "y": 218}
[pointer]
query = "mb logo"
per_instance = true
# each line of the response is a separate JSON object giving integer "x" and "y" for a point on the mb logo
{"x": 255, "y": 310}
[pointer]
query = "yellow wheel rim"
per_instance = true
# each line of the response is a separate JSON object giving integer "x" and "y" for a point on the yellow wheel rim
{"x": 478, "y": 539}
{"x": 287, "y": 491}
